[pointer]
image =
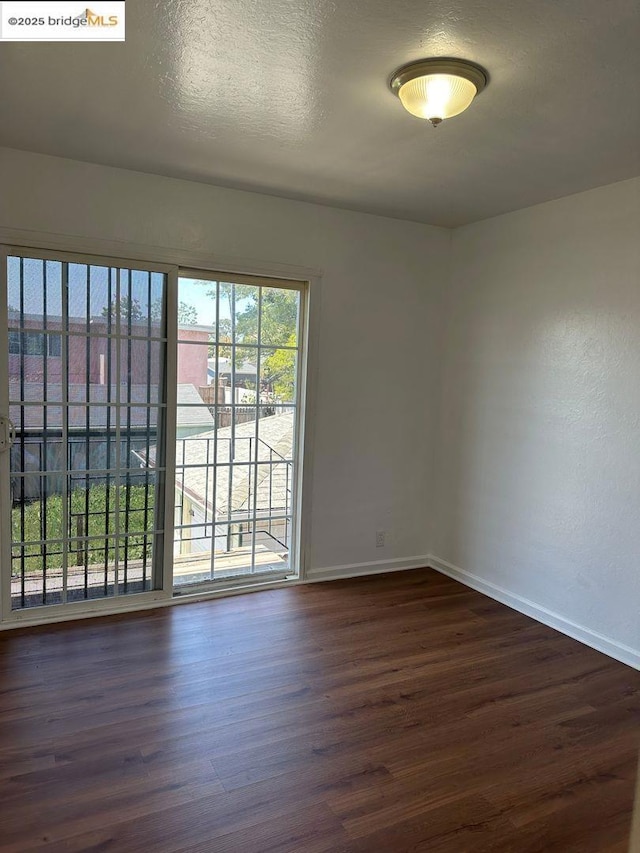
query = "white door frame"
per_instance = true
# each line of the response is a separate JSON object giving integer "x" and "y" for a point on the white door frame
{"x": 168, "y": 261}
{"x": 301, "y": 287}
{"x": 51, "y": 612}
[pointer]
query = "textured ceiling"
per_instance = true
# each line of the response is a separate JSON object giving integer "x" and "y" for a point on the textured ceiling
{"x": 291, "y": 98}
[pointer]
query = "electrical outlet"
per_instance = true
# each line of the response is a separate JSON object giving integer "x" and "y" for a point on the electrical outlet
{"x": 379, "y": 538}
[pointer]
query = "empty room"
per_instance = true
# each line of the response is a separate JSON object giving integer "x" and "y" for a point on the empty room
{"x": 319, "y": 426}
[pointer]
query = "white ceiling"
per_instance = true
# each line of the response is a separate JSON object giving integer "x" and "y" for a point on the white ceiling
{"x": 291, "y": 98}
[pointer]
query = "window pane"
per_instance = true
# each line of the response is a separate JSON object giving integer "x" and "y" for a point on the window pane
{"x": 197, "y": 309}
{"x": 246, "y": 313}
{"x": 275, "y": 433}
{"x": 274, "y": 489}
{"x": 243, "y": 378}
{"x": 193, "y": 362}
{"x": 34, "y": 293}
{"x": 86, "y": 409}
{"x": 249, "y": 391}
{"x": 278, "y": 372}
{"x": 91, "y": 572}
{"x": 37, "y": 508}
{"x": 193, "y": 419}
{"x": 279, "y": 317}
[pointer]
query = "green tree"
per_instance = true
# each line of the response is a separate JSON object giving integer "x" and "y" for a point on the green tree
{"x": 279, "y": 317}
{"x": 156, "y": 310}
{"x": 278, "y": 328}
{"x": 224, "y": 339}
{"x": 280, "y": 370}
{"x": 133, "y": 309}
{"x": 246, "y": 325}
{"x": 187, "y": 314}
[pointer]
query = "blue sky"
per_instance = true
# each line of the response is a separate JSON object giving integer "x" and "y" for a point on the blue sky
{"x": 190, "y": 291}
{"x": 201, "y": 295}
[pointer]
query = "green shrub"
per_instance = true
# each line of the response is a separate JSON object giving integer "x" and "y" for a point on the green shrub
{"x": 96, "y": 522}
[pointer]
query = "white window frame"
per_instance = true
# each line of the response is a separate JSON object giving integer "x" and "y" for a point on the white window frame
{"x": 54, "y": 612}
{"x": 302, "y": 287}
{"x": 172, "y": 263}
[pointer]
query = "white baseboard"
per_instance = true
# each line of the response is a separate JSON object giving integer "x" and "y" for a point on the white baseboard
{"x": 355, "y": 570}
{"x": 597, "y": 641}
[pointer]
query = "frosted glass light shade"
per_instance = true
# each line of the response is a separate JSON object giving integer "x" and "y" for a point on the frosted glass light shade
{"x": 436, "y": 89}
{"x": 437, "y": 96}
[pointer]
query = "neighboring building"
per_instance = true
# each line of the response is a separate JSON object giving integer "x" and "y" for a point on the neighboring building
{"x": 41, "y": 433}
{"x": 111, "y": 388}
{"x": 229, "y": 500}
{"x": 193, "y": 416}
{"x": 193, "y": 355}
{"x": 245, "y": 373}
{"x": 36, "y": 353}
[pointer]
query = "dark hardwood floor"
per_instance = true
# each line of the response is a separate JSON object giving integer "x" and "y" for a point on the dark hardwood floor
{"x": 397, "y": 713}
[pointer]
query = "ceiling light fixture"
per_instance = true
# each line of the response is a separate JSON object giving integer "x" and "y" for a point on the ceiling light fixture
{"x": 435, "y": 89}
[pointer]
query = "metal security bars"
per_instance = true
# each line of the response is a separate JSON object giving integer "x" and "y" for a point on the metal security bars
{"x": 149, "y": 430}
{"x": 85, "y": 355}
{"x": 238, "y": 390}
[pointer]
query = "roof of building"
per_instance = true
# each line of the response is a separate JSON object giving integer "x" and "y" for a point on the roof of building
{"x": 247, "y": 368}
{"x": 192, "y": 412}
{"x": 274, "y": 469}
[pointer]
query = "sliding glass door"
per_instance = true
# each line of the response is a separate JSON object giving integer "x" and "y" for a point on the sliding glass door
{"x": 84, "y": 351}
{"x": 238, "y": 383}
{"x": 149, "y": 430}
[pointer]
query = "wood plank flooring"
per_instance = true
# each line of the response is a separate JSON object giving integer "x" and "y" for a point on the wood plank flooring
{"x": 397, "y": 713}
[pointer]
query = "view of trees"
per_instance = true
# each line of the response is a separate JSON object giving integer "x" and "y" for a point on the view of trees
{"x": 278, "y": 325}
{"x": 187, "y": 314}
{"x": 130, "y": 308}
{"x": 273, "y": 312}
{"x": 278, "y": 328}
{"x": 281, "y": 370}
{"x": 95, "y": 522}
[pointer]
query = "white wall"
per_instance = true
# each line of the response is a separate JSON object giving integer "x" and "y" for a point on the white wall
{"x": 527, "y": 353}
{"x": 539, "y": 445}
{"x": 381, "y": 277}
